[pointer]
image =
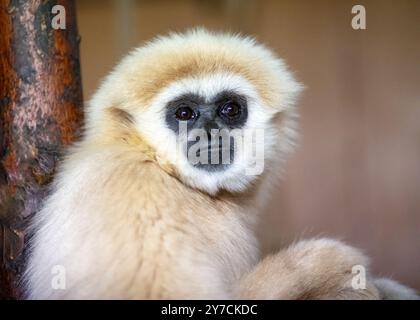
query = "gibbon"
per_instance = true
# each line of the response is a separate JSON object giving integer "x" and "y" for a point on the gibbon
{"x": 132, "y": 216}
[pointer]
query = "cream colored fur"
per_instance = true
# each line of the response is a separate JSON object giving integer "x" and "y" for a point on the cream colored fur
{"x": 127, "y": 220}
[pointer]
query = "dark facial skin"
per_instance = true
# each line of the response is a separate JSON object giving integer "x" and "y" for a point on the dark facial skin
{"x": 227, "y": 110}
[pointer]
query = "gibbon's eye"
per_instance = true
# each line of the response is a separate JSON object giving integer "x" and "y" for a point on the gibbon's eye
{"x": 185, "y": 113}
{"x": 230, "y": 110}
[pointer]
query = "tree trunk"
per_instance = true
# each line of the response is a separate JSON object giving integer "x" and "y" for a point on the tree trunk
{"x": 40, "y": 112}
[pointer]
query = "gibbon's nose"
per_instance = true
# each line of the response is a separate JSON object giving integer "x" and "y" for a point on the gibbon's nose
{"x": 207, "y": 119}
{"x": 211, "y": 125}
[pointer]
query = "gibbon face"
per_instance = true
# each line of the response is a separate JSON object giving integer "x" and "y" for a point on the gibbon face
{"x": 213, "y": 108}
{"x": 213, "y": 147}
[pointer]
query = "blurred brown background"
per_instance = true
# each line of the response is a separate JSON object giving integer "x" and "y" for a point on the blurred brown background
{"x": 356, "y": 173}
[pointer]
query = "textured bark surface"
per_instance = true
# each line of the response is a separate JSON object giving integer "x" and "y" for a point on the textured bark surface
{"x": 40, "y": 112}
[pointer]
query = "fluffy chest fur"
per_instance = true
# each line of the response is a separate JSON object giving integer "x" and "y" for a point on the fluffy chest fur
{"x": 123, "y": 228}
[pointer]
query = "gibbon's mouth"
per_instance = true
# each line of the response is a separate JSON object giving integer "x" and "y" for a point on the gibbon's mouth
{"x": 211, "y": 157}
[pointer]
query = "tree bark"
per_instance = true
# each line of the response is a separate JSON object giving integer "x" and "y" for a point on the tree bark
{"x": 40, "y": 112}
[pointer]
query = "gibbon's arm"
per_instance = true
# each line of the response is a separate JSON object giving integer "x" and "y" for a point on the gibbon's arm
{"x": 316, "y": 269}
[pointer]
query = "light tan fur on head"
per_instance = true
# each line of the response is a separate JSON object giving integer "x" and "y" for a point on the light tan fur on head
{"x": 145, "y": 71}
